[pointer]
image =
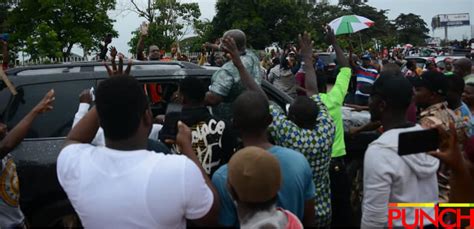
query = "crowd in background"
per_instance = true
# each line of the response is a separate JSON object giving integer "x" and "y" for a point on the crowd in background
{"x": 232, "y": 157}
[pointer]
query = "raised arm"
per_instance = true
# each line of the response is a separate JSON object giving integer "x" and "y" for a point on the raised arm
{"x": 85, "y": 130}
{"x": 249, "y": 82}
{"x": 339, "y": 91}
{"x": 306, "y": 52}
{"x": 103, "y": 48}
{"x": 21, "y": 129}
{"x": 6, "y": 57}
{"x": 341, "y": 59}
{"x": 351, "y": 60}
{"x": 141, "y": 41}
{"x": 183, "y": 140}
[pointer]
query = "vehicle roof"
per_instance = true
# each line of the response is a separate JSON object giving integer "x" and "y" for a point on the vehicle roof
{"x": 97, "y": 70}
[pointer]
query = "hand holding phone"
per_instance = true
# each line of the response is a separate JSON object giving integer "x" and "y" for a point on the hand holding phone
{"x": 170, "y": 127}
{"x": 422, "y": 141}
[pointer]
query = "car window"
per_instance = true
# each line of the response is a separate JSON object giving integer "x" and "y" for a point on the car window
{"x": 159, "y": 94}
{"x": 55, "y": 123}
{"x": 327, "y": 59}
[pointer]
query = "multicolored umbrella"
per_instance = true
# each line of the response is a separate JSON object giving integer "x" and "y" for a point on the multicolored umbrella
{"x": 350, "y": 24}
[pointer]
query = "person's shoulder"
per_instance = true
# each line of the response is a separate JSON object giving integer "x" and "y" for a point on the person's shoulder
{"x": 344, "y": 71}
{"x": 250, "y": 53}
{"x": 170, "y": 164}
{"x": 279, "y": 151}
{"x": 220, "y": 175}
{"x": 171, "y": 160}
{"x": 76, "y": 150}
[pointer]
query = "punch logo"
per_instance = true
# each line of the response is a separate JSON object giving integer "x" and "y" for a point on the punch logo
{"x": 442, "y": 215}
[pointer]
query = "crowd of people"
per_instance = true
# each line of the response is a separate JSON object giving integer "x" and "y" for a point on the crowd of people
{"x": 268, "y": 166}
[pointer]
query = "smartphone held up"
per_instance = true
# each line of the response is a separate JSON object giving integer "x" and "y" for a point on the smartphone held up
{"x": 421, "y": 141}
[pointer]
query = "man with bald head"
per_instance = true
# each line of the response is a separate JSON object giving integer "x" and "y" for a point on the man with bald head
{"x": 225, "y": 83}
{"x": 462, "y": 68}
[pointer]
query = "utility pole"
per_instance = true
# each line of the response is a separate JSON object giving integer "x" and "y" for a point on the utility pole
{"x": 149, "y": 12}
{"x": 446, "y": 33}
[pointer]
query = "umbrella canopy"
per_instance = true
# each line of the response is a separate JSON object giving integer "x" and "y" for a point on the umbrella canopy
{"x": 350, "y": 24}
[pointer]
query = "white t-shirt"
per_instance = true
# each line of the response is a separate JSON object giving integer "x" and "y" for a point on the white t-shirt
{"x": 132, "y": 189}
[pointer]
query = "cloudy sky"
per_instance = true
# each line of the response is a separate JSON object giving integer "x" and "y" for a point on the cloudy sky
{"x": 127, "y": 21}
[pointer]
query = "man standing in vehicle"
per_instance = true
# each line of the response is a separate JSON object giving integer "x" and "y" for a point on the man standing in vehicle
{"x": 225, "y": 83}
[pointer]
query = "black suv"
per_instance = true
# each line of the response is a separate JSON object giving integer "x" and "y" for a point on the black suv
{"x": 42, "y": 199}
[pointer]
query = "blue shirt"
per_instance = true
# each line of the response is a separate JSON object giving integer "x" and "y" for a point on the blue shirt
{"x": 319, "y": 65}
{"x": 296, "y": 189}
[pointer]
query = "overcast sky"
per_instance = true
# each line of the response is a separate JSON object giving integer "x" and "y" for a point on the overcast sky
{"x": 127, "y": 21}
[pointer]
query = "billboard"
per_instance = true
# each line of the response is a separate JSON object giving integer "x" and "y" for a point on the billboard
{"x": 450, "y": 20}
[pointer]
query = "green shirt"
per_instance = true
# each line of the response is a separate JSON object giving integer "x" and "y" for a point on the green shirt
{"x": 334, "y": 100}
{"x": 226, "y": 83}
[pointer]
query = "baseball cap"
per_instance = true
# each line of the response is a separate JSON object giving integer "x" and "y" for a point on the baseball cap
{"x": 254, "y": 174}
{"x": 394, "y": 88}
{"x": 366, "y": 57}
{"x": 434, "y": 81}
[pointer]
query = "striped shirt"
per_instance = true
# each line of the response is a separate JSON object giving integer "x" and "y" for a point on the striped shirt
{"x": 365, "y": 77}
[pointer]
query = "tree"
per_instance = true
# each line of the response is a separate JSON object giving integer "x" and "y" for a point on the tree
{"x": 411, "y": 29}
{"x": 169, "y": 21}
{"x": 43, "y": 42}
{"x": 44, "y": 27}
{"x": 263, "y": 21}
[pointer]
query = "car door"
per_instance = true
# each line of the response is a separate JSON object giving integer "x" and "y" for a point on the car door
{"x": 36, "y": 156}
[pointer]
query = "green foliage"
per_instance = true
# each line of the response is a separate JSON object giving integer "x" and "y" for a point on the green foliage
{"x": 173, "y": 20}
{"x": 48, "y": 27}
{"x": 43, "y": 42}
{"x": 203, "y": 30}
{"x": 263, "y": 21}
{"x": 267, "y": 21}
{"x": 411, "y": 29}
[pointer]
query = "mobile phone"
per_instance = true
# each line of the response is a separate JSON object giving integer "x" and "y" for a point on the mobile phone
{"x": 170, "y": 127}
{"x": 418, "y": 142}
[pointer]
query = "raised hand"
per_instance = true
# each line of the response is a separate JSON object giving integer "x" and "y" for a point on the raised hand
{"x": 85, "y": 96}
{"x": 330, "y": 36}
{"x": 449, "y": 152}
{"x": 144, "y": 29}
{"x": 113, "y": 52}
{"x": 118, "y": 72}
{"x": 229, "y": 46}
{"x": 306, "y": 45}
{"x": 108, "y": 39}
{"x": 46, "y": 104}
{"x": 184, "y": 137}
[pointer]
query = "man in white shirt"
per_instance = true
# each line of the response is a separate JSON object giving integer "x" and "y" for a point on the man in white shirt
{"x": 389, "y": 177}
{"x": 122, "y": 185}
